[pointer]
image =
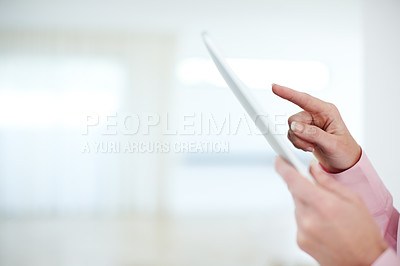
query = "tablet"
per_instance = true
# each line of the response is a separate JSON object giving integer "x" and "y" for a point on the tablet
{"x": 278, "y": 142}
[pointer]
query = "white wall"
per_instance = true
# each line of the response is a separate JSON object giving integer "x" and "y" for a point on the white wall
{"x": 382, "y": 89}
{"x": 49, "y": 83}
{"x": 309, "y": 30}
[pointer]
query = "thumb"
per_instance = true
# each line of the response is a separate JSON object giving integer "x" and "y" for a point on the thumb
{"x": 312, "y": 134}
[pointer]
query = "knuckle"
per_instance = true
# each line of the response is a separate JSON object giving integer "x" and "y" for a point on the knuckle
{"x": 312, "y": 130}
{"x": 307, "y": 224}
{"x": 332, "y": 110}
{"x": 301, "y": 240}
{"x": 332, "y": 107}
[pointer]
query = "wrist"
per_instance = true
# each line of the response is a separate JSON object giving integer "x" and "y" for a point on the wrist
{"x": 355, "y": 158}
{"x": 351, "y": 158}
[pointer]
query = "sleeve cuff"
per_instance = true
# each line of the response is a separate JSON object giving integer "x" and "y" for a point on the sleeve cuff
{"x": 364, "y": 180}
{"x": 388, "y": 258}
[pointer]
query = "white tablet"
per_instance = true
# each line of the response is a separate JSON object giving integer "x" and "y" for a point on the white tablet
{"x": 278, "y": 142}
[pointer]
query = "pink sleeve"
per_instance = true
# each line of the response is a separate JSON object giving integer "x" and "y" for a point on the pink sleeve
{"x": 364, "y": 180}
{"x": 388, "y": 258}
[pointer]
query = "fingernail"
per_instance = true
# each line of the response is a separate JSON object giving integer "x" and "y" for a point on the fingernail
{"x": 296, "y": 127}
{"x": 272, "y": 84}
{"x": 310, "y": 149}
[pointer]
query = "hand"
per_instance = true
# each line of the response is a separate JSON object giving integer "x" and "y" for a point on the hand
{"x": 333, "y": 224}
{"x": 321, "y": 130}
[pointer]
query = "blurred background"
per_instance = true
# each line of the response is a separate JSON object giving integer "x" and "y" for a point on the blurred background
{"x": 77, "y": 78}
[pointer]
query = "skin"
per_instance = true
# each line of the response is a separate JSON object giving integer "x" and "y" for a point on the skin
{"x": 321, "y": 130}
{"x": 334, "y": 225}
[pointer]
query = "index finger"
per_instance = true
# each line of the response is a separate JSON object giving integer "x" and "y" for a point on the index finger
{"x": 301, "y": 99}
